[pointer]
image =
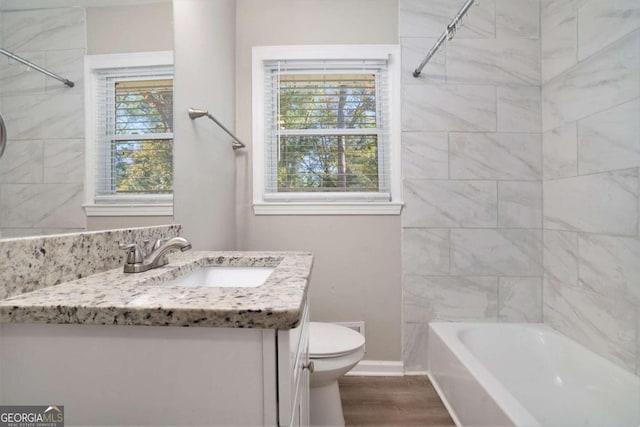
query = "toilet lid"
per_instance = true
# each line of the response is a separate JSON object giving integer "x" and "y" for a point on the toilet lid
{"x": 329, "y": 340}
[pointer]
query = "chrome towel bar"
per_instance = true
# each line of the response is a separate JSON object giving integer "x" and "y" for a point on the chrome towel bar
{"x": 195, "y": 113}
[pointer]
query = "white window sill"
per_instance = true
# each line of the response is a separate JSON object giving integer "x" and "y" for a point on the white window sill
{"x": 318, "y": 208}
{"x": 130, "y": 209}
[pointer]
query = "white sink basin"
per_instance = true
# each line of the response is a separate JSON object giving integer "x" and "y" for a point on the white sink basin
{"x": 223, "y": 277}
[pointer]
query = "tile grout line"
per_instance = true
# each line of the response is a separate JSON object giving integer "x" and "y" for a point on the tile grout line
{"x": 450, "y": 252}
{"x": 590, "y": 115}
{"x": 542, "y": 246}
{"x": 498, "y": 299}
{"x": 448, "y": 156}
{"x": 498, "y": 226}
{"x": 577, "y": 10}
{"x": 605, "y": 172}
{"x": 482, "y": 275}
{"x": 592, "y": 55}
{"x": 577, "y": 284}
{"x": 577, "y": 141}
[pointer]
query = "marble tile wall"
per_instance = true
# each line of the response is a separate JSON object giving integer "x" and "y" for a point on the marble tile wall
{"x": 591, "y": 155}
{"x": 42, "y": 172}
{"x": 472, "y": 167}
{"x": 31, "y": 263}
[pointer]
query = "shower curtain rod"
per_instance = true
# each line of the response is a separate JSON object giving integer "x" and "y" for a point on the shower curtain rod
{"x": 449, "y": 33}
{"x": 36, "y": 67}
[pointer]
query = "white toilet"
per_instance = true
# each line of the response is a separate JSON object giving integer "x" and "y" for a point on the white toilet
{"x": 334, "y": 350}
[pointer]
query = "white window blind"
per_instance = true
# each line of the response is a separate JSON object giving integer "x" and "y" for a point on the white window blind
{"x": 134, "y": 134}
{"x": 327, "y": 132}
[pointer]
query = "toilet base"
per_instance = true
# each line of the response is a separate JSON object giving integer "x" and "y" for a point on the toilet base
{"x": 326, "y": 407}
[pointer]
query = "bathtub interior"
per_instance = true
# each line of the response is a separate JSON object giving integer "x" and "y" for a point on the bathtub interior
{"x": 558, "y": 381}
{"x": 550, "y": 373}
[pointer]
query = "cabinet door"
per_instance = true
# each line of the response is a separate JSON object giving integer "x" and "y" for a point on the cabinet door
{"x": 304, "y": 373}
{"x": 301, "y": 410}
{"x": 293, "y": 374}
{"x": 303, "y": 392}
{"x": 296, "y": 421}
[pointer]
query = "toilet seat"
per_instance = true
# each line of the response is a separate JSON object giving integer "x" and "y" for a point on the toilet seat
{"x": 331, "y": 340}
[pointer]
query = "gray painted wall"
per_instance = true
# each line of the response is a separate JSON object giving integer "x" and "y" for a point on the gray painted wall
{"x": 149, "y": 28}
{"x": 204, "y": 163}
{"x": 591, "y": 124}
{"x": 471, "y": 227}
{"x": 110, "y": 222}
{"x": 153, "y": 31}
{"x": 356, "y": 272}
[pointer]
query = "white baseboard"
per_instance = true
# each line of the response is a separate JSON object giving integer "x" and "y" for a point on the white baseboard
{"x": 421, "y": 373}
{"x": 383, "y": 368}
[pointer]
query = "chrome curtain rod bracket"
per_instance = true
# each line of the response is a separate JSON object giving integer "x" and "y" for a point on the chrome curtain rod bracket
{"x": 195, "y": 113}
{"x": 449, "y": 33}
{"x": 36, "y": 67}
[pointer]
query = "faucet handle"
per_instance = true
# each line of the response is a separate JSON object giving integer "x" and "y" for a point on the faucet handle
{"x": 134, "y": 253}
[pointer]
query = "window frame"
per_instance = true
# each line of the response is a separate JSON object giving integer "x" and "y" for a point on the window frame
{"x": 323, "y": 203}
{"x": 134, "y": 205}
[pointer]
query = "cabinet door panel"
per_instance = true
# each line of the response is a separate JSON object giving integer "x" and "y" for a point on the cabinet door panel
{"x": 293, "y": 358}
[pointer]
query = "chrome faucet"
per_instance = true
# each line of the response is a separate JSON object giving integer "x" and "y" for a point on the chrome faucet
{"x": 137, "y": 262}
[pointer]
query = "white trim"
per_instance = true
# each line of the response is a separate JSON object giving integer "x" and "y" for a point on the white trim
{"x": 137, "y": 136}
{"x": 328, "y": 208}
{"x": 412, "y": 373}
{"x": 92, "y": 66}
{"x": 132, "y": 209}
{"x": 296, "y": 132}
{"x": 444, "y": 400}
{"x": 326, "y": 197}
{"x": 123, "y": 60}
{"x": 377, "y": 368}
{"x": 391, "y": 53}
{"x": 323, "y": 52}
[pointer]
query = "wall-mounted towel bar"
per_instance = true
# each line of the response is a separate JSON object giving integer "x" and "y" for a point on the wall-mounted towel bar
{"x": 36, "y": 67}
{"x": 449, "y": 33}
{"x": 194, "y": 113}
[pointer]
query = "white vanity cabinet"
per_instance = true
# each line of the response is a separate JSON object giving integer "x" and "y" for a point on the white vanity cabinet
{"x": 159, "y": 375}
{"x": 293, "y": 374}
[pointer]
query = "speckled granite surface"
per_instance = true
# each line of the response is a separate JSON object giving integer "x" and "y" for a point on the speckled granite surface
{"x": 31, "y": 263}
{"x": 117, "y": 298}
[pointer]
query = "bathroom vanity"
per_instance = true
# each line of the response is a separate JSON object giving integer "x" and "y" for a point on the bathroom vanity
{"x": 150, "y": 349}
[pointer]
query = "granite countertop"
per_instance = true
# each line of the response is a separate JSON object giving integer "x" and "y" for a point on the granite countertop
{"x": 117, "y": 298}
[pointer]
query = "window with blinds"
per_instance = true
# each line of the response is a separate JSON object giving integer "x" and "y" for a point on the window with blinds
{"x": 326, "y": 129}
{"x": 134, "y": 152}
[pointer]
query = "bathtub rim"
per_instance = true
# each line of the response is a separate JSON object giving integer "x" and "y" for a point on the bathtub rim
{"x": 500, "y": 395}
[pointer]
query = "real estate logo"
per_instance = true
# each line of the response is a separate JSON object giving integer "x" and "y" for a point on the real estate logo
{"x": 32, "y": 416}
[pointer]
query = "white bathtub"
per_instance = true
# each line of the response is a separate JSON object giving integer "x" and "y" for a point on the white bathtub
{"x": 527, "y": 375}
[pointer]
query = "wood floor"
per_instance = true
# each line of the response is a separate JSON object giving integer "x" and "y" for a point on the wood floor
{"x": 392, "y": 401}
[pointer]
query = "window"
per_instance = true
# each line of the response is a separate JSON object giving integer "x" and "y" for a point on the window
{"x": 326, "y": 130}
{"x": 129, "y": 134}
{"x": 138, "y": 137}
